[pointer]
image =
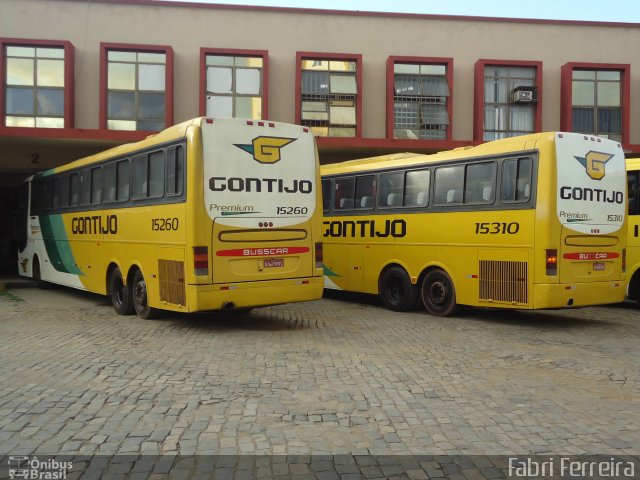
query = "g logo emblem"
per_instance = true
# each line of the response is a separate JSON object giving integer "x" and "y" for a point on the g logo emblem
{"x": 594, "y": 163}
{"x": 266, "y": 149}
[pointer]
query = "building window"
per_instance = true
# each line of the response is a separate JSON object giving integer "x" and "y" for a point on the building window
{"x": 595, "y": 99}
{"x": 510, "y": 97}
{"x": 329, "y": 95}
{"x": 139, "y": 90}
{"x": 36, "y": 84}
{"x": 597, "y": 103}
{"x": 234, "y": 86}
{"x": 421, "y": 101}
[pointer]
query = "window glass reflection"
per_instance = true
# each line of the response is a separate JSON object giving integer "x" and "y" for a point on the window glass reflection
{"x": 122, "y": 76}
{"x": 151, "y": 77}
{"x": 248, "y": 81}
{"x": 20, "y": 71}
{"x": 50, "y": 102}
{"x": 233, "y": 90}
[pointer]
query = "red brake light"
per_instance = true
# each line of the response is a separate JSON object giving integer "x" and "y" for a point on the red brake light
{"x": 318, "y": 255}
{"x": 201, "y": 260}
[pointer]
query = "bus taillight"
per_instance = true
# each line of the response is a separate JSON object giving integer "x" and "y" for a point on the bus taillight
{"x": 624, "y": 260}
{"x": 319, "y": 259}
{"x": 201, "y": 260}
{"x": 552, "y": 261}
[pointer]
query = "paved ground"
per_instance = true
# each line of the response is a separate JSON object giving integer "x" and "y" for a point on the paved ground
{"x": 340, "y": 376}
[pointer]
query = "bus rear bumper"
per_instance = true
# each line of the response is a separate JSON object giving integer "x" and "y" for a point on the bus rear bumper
{"x": 547, "y": 295}
{"x": 254, "y": 294}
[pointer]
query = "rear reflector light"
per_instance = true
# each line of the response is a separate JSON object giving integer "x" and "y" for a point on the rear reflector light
{"x": 552, "y": 261}
{"x": 201, "y": 260}
{"x": 319, "y": 259}
{"x": 209, "y": 120}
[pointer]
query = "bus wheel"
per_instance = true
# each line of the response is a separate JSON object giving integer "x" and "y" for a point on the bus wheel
{"x": 140, "y": 299}
{"x": 396, "y": 290}
{"x": 633, "y": 290}
{"x": 438, "y": 294}
{"x": 120, "y": 294}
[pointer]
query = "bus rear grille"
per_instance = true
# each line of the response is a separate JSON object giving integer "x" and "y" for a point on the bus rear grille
{"x": 503, "y": 281}
{"x": 171, "y": 276}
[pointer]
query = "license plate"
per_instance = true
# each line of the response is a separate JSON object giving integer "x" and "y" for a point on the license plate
{"x": 273, "y": 262}
{"x": 598, "y": 266}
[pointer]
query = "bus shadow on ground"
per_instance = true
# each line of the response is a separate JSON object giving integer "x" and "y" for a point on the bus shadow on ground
{"x": 258, "y": 319}
{"x": 538, "y": 319}
{"x": 353, "y": 297}
{"x": 547, "y": 319}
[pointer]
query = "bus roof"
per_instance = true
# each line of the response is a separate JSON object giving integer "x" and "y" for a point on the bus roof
{"x": 174, "y": 132}
{"x": 513, "y": 144}
{"x": 633, "y": 164}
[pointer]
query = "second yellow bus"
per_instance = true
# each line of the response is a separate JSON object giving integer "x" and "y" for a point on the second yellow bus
{"x": 530, "y": 222}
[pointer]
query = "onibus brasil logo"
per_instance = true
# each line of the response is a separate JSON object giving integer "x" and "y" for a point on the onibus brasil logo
{"x": 594, "y": 163}
{"x": 266, "y": 149}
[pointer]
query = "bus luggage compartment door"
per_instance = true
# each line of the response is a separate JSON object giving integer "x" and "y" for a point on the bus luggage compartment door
{"x": 244, "y": 255}
{"x": 588, "y": 258}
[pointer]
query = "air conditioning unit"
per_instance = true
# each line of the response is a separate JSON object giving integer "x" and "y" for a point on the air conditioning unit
{"x": 524, "y": 95}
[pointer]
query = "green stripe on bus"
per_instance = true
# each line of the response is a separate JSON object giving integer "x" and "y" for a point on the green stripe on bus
{"x": 59, "y": 251}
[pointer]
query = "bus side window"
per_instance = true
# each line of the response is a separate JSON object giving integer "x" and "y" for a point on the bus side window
{"x": 156, "y": 174}
{"x": 55, "y": 197}
{"x": 516, "y": 180}
{"x": 74, "y": 199}
{"x": 391, "y": 189}
{"x": 46, "y": 195}
{"x": 449, "y": 184}
{"x": 85, "y": 186}
{"x": 64, "y": 190}
{"x": 480, "y": 178}
{"x": 96, "y": 186}
{"x": 326, "y": 195}
{"x": 632, "y": 184}
{"x": 345, "y": 189}
{"x": 110, "y": 182}
{"x": 139, "y": 169}
{"x": 365, "y": 191}
{"x": 122, "y": 191}
{"x": 175, "y": 169}
{"x": 417, "y": 188}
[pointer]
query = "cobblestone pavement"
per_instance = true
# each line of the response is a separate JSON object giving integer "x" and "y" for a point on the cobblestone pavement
{"x": 339, "y": 376}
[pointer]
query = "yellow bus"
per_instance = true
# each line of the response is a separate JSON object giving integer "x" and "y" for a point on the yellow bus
{"x": 633, "y": 239}
{"x": 530, "y": 222}
{"x": 210, "y": 214}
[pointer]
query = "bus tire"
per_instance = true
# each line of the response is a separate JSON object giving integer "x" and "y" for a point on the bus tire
{"x": 140, "y": 298}
{"x": 438, "y": 294}
{"x": 120, "y": 294}
{"x": 396, "y": 290}
{"x": 633, "y": 292}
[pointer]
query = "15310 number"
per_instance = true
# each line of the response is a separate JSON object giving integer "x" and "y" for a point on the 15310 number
{"x": 497, "y": 228}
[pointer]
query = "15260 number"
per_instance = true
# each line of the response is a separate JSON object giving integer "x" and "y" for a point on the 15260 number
{"x": 497, "y": 228}
{"x": 164, "y": 224}
{"x": 291, "y": 210}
